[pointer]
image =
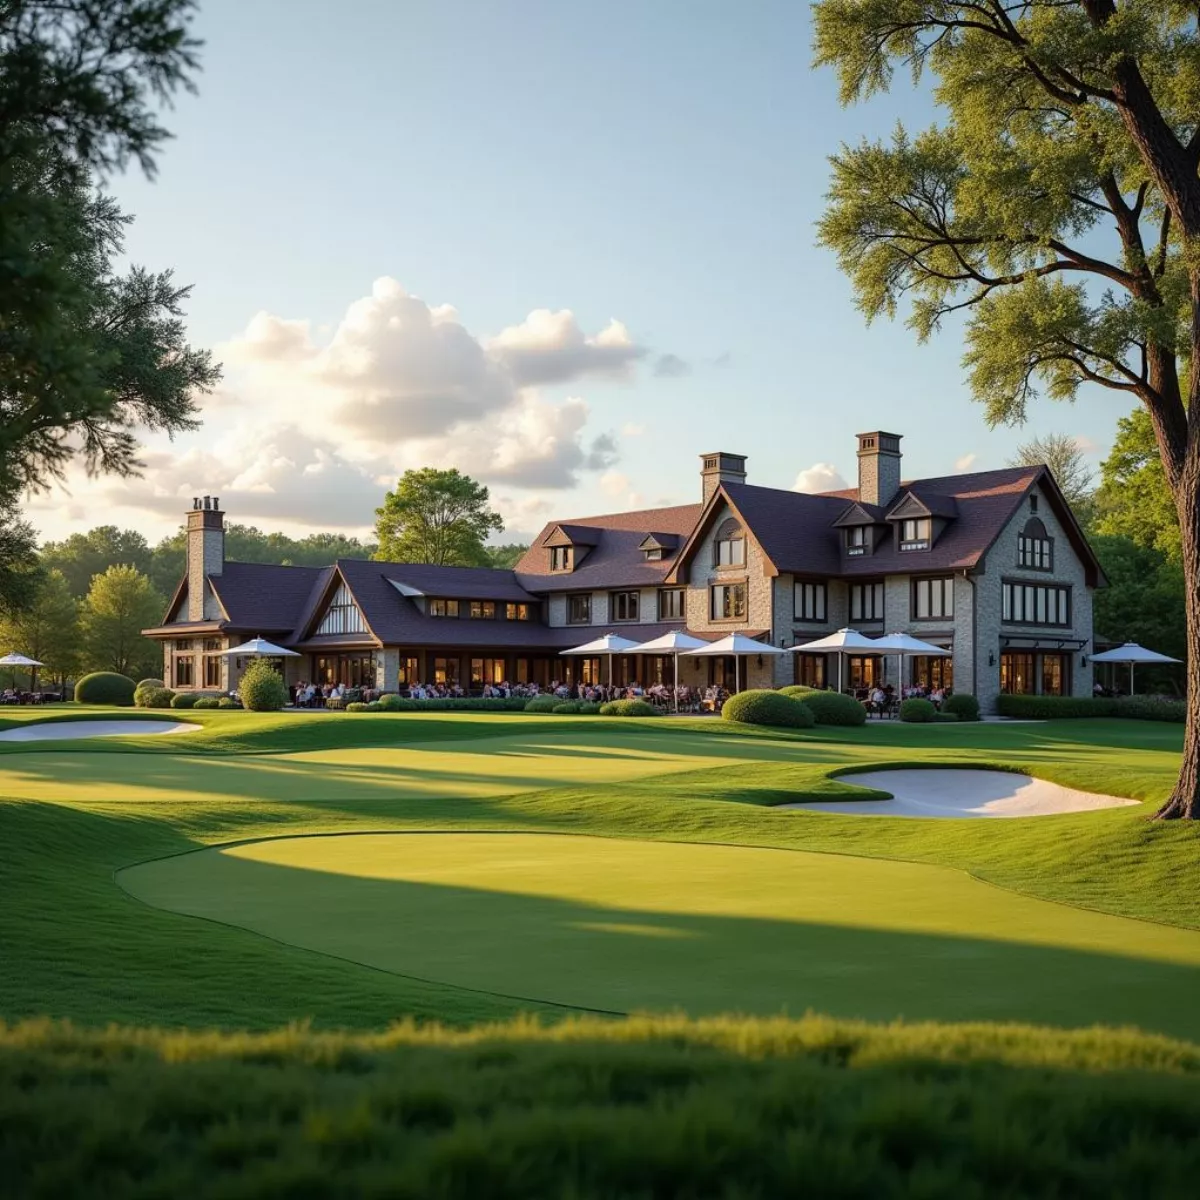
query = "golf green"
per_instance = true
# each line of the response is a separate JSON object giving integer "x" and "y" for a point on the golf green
{"x": 618, "y": 924}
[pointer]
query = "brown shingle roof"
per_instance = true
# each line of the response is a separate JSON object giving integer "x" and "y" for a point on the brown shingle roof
{"x": 265, "y": 596}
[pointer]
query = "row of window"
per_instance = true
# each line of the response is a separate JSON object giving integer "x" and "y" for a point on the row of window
{"x": 626, "y": 606}
{"x": 1035, "y": 604}
{"x": 479, "y": 610}
{"x": 185, "y": 671}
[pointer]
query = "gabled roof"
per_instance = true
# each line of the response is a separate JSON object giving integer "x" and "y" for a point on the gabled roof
{"x": 463, "y": 583}
{"x": 659, "y": 541}
{"x": 919, "y": 500}
{"x": 860, "y": 513}
{"x": 616, "y": 558}
{"x": 572, "y": 535}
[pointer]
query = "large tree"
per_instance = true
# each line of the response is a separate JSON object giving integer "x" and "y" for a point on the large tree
{"x": 1061, "y": 453}
{"x": 119, "y": 605}
{"x": 436, "y": 516}
{"x": 1056, "y": 205}
{"x": 1133, "y": 500}
{"x": 48, "y": 629}
{"x": 83, "y": 556}
{"x": 19, "y": 571}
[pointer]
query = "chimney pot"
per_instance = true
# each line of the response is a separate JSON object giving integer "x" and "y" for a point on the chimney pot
{"x": 878, "y": 467}
{"x": 720, "y": 468}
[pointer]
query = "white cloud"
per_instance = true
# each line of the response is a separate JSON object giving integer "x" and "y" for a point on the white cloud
{"x": 820, "y": 477}
{"x": 966, "y": 462}
{"x": 1087, "y": 445}
{"x": 671, "y": 366}
{"x": 619, "y": 488}
{"x": 550, "y": 347}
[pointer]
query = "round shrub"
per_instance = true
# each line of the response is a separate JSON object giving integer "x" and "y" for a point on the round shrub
{"x": 917, "y": 710}
{"x": 228, "y": 702}
{"x": 543, "y": 704}
{"x": 105, "y": 687}
{"x": 567, "y": 706}
{"x": 207, "y": 702}
{"x": 390, "y": 703}
{"x": 962, "y": 705}
{"x": 763, "y": 707}
{"x": 588, "y": 708}
{"x": 262, "y": 688}
{"x": 153, "y": 697}
{"x": 628, "y": 708}
{"x": 833, "y": 708}
{"x": 797, "y": 691}
{"x": 185, "y": 699}
{"x": 374, "y": 706}
{"x": 357, "y": 706}
{"x": 945, "y": 717}
{"x": 150, "y": 683}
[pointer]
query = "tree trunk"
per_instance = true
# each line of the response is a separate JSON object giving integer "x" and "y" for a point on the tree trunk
{"x": 1184, "y": 802}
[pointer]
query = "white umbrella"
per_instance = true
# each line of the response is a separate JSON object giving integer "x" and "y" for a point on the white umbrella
{"x": 737, "y": 645}
{"x": 1132, "y": 654}
{"x": 609, "y": 644}
{"x": 260, "y": 648}
{"x": 19, "y": 660}
{"x": 838, "y": 643}
{"x": 675, "y": 642}
{"x": 904, "y": 645}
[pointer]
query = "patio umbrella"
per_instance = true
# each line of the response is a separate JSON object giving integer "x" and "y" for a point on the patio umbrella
{"x": 609, "y": 644}
{"x": 19, "y": 660}
{"x": 260, "y": 648}
{"x": 738, "y": 645}
{"x": 1132, "y": 654}
{"x": 838, "y": 643}
{"x": 904, "y": 645}
{"x": 675, "y": 642}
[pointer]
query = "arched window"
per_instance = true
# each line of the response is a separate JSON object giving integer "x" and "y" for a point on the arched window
{"x": 1035, "y": 547}
{"x": 729, "y": 549}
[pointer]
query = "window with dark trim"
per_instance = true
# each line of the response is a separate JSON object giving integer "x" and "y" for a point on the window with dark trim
{"x": 560, "y": 558}
{"x": 212, "y": 671}
{"x": 652, "y": 553}
{"x": 866, "y": 602}
{"x": 624, "y": 606}
{"x": 671, "y": 604}
{"x": 342, "y": 615}
{"x": 857, "y": 541}
{"x": 729, "y": 548}
{"x": 916, "y": 533}
{"x": 184, "y": 671}
{"x": 1035, "y": 547}
{"x": 579, "y": 609}
{"x": 483, "y": 610}
{"x": 443, "y": 608}
{"x": 812, "y": 601}
{"x": 932, "y": 598}
{"x": 727, "y": 601}
{"x": 1035, "y": 604}
{"x": 518, "y": 612}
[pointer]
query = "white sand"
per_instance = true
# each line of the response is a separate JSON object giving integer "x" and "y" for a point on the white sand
{"x": 962, "y": 793}
{"x": 48, "y": 731}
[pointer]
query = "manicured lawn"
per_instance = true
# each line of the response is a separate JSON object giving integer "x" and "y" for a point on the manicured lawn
{"x": 631, "y": 922}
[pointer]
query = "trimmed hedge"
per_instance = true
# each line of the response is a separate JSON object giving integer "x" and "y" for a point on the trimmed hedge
{"x": 918, "y": 711}
{"x": 390, "y": 703}
{"x": 798, "y": 691}
{"x": 946, "y": 718}
{"x": 963, "y": 705}
{"x": 460, "y": 704}
{"x": 262, "y": 688}
{"x": 833, "y": 708}
{"x": 357, "y": 706}
{"x": 567, "y": 707}
{"x": 184, "y": 699}
{"x": 153, "y": 697}
{"x": 543, "y": 704}
{"x": 589, "y": 708}
{"x": 1056, "y": 708}
{"x": 228, "y": 702}
{"x": 207, "y": 702}
{"x": 151, "y": 683}
{"x": 105, "y": 687}
{"x": 763, "y": 707}
{"x": 374, "y": 706}
{"x": 628, "y": 708}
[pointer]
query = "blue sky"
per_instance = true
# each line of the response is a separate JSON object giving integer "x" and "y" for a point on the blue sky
{"x": 661, "y": 164}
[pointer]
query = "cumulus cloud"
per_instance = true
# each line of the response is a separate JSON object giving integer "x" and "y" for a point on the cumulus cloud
{"x": 619, "y": 488}
{"x": 671, "y": 366}
{"x": 550, "y": 347}
{"x": 820, "y": 477}
{"x": 966, "y": 462}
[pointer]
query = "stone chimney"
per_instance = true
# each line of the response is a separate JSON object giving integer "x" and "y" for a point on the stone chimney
{"x": 205, "y": 550}
{"x": 878, "y": 467}
{"x": 721, "y": 468}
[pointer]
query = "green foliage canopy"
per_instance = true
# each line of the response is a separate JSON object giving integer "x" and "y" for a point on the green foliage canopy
{"x": 48, "y": 629}
{"x": 436, "y": 516}
{"x": 119, "y": 605}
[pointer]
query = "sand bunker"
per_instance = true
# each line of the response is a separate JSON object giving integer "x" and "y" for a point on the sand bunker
{"x": 962, "y": 793}
{"x": 47, "y": 731}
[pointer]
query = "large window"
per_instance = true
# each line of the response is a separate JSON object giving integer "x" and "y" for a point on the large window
{"x": 810, "y": 670}
{"x": 487, "y": 670}
{"x": 866, "y": 602}
{"x": 671, "y": 604}
{"x": 811, "y": 602}
{"x": 728, "y": 602}
{"x": 624, "y": 606}
{"x": 1035, "y": 604}
{"x": 483, "y": 610}
{"x": 518, "y": 612}
{"x": 933, "y": 672}
{"x": 729, "y": 549}
{"x": 932, "y": 598}
{"x": 916, "y": 534}
{"x": 445, "y": 672}
{"x": 343, "y": 615}
{"x": 185, "y": 671}
{"x": 1016, "y": 674}
{"x": 212, "y": 671}
{"x": 1035, "y": 550}
{"x": 579, "y": 609}
{"x": 406, "y": 672}
{"x": 1054, "y": 674}
{"x": 443, "y": 608}
{"x": 560, "y": 558}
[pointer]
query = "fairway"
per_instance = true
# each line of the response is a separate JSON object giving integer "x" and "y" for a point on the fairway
{"x": 621, "y": 925}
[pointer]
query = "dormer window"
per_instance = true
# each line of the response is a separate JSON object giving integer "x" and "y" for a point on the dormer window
{"x": 560, "y": 558}
{"x": 856, "y": 540}
{"x": 916, "y": 533}
{"x": 1035, "y": 548}
{"x": 729, "y": 549}
{"x": 652, "y": 554}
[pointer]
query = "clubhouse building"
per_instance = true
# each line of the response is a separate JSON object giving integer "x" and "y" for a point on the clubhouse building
{"x": 992, "y": 566}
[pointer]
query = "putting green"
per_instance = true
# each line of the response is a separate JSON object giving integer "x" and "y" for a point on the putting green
{"x": 621, "y": 925}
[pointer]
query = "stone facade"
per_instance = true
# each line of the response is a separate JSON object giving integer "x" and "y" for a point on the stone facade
{"x": 205, "y": 557}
